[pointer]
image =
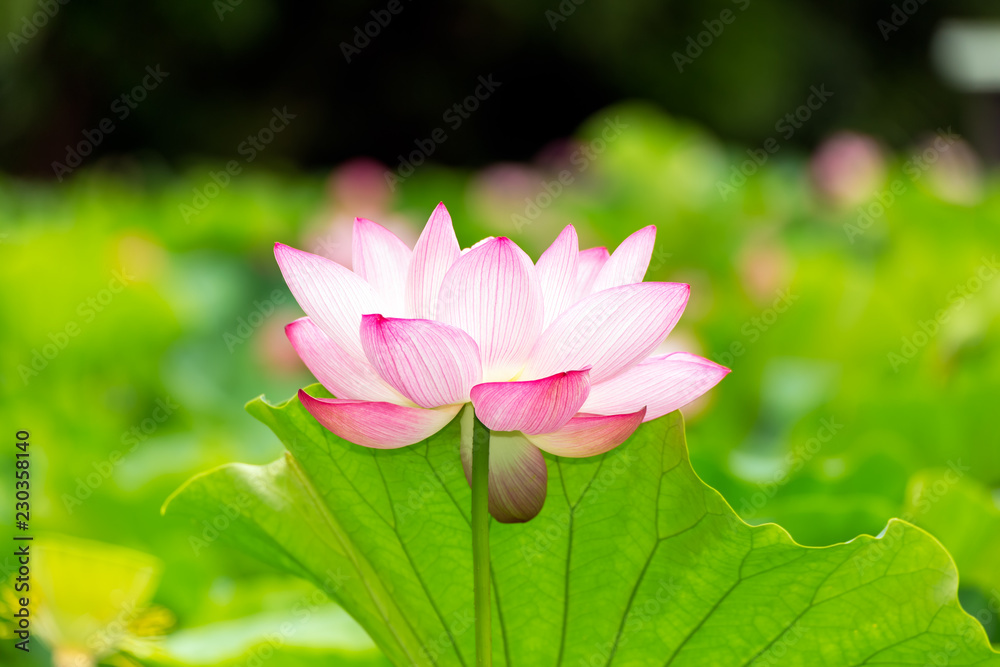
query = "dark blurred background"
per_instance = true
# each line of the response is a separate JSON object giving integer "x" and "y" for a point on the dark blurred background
{"x": 231, "y": 61}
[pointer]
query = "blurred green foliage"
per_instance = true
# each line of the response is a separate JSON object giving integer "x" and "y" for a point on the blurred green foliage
{"x": 819, "y": 428}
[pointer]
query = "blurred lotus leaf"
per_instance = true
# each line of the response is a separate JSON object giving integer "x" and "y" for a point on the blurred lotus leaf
{"x": 633, "y": 560}
{"x": 91, "y": 600}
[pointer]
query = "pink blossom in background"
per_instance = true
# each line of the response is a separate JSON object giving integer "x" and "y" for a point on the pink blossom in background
{"x": 765, "y": 265}
{"x": 954, "y": 173}
{"x": 499, "y": 191}
{"x": 848, "y": 168}
{"x": 357, "y": 187}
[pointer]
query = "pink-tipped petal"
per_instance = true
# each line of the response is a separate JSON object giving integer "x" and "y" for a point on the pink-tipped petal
{"x": 343, "y": 374}
{"x": 518, "y": 476}
{"x": 430, "y": 363}
{"x": 589, "y": 435}
{"x": 383, "y": 261}
{"x": 436, "y": 250}
{"x": 377, "y": 425}
{"x": 557, "y": 273}
{"x": 662, "y": 383}
{"x": 332, "y": 296}
{"x": 609, "y": 331}
{"x": 589, "y": 265}
{"x": 629, "y": 262}
{"x": 535, "y": 406}
{"x": 492, "y": 293}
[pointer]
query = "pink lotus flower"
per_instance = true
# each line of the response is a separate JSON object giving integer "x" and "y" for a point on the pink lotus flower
{"x": 554, "y": 356}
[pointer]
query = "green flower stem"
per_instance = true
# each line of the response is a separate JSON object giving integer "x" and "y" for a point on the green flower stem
{"x": 481, "y": 541}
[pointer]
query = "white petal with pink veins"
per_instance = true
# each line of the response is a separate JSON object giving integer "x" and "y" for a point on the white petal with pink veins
{"x": 589, "y": 435}
{"x": 629, "y": 262}
{"x": 662, "y": 384}
{"x": 429, "y": 362}
{"x": 377, "y": 425}
{"x": 383, "y": 261}
{"x": 589, "y": 265}
{"x": 343, "y": 374}
{"x": 557, "y": 273}
{"x": 492, "y": 293}
{"x": 436, "y": 250}
{"x": 332, "y": 296}
{"x": 609, "y": 331}
{"x": 536, "y": 406}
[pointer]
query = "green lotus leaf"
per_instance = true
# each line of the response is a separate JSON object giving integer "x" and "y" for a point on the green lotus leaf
{"x": 633, "y": 560}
